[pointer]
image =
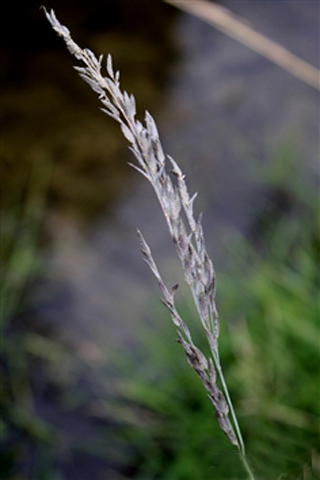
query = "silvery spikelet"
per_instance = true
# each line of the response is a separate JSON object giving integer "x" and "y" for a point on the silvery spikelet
{"x": 186, "y": 232}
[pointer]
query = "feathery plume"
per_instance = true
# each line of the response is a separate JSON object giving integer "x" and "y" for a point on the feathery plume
{"x": 170, "y": 187}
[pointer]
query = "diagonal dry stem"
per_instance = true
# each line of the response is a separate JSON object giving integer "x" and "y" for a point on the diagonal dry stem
{"x": 237, "y": 28}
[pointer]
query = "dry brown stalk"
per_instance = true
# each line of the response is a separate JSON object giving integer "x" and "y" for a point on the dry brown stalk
{"x": 236, "y": 27}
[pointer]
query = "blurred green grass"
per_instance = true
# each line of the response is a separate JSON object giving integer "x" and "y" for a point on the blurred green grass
{"x": 163, "y": 424}
{"x": 268, "y": 300}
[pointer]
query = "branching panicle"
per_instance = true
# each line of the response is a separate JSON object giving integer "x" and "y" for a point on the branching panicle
{"x": 170, "y": 187}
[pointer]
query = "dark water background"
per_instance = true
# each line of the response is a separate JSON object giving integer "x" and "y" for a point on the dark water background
{"x": 223, "y": 113}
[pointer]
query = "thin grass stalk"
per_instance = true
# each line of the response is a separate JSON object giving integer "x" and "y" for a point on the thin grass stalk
{"x": 186, "y": 232}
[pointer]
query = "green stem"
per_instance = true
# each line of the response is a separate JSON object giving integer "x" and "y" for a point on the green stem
{"x": 242, "y": 450}
{"x": 229, "y": 401}
{"x": 247, "y": 467}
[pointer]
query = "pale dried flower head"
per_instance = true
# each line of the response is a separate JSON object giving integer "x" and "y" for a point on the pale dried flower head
{"x": 170, "y": 187}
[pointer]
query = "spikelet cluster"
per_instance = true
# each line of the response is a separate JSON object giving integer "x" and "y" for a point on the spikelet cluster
{"x": 186, "y": 232}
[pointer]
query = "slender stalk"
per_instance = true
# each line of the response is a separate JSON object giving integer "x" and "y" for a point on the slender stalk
{"x": 229, "y": 401}
{"x": 247, "y": 467}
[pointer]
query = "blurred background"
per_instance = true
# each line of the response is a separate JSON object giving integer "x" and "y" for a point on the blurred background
{"x": 93, "y": 383}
